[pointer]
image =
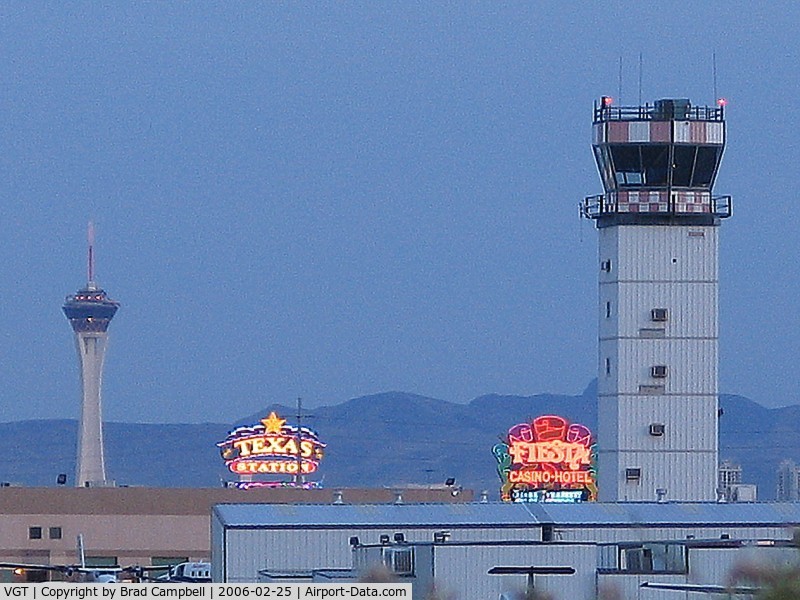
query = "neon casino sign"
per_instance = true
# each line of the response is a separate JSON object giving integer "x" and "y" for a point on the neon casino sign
{"x": 547, "y": 460}
{"x": 272, "y": 449}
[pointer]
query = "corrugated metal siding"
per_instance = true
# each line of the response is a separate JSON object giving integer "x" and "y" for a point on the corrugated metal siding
{"x": 648, "y": 532}
{"x": 608, "y": 314}
{"x": 691, "y": 365}
{"x": 706, "y": 566}
{"x": 673, "y": 412}
{"x": 628, "y": 587}
{"x": 295, "y": 547}
{"x": 672, "y": 267}
{"x": 608, "y": 371}
{"x": 683, "y": 461}
{"x": 461, "y": 571}
{"x": 646, "y": 253}
{"x": 217, "y": 549}
{"x": 689, "y": 475}
{"x": 608, "y": 250}
{"x": 714, "y": 565}
{"x": 250, "y": 550}
{"x": 691, "y": 308}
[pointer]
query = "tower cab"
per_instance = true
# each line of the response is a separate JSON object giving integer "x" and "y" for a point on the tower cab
{"x": 657, "y": 162}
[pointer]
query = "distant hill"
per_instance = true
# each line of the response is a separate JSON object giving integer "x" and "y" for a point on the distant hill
{"x": 384, "y": 439}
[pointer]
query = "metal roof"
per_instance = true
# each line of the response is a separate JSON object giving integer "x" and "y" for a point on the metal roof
{"x": 630, "y": 514}
{"x": 669, "y": 513}
{"x": 371, "y": 515}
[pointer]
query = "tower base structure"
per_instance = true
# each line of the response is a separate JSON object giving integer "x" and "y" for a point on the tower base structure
{"x": 658, "y": 350}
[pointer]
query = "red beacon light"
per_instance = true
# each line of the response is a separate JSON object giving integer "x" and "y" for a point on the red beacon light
{"x": 722, "y": 102}
{"x": 607, "y": 100}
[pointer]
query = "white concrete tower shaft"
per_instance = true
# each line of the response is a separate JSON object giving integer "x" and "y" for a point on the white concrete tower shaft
{"x": 658, "y": 293}
{"x": 90, "y": 312}
{"x": 91, "y": 469}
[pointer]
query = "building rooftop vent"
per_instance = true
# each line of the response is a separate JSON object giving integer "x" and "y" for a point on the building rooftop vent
{"x": 668, "y": 109}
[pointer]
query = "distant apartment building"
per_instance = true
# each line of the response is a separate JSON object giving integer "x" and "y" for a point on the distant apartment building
{"x": 729, "y": 474}
{"x": 729, "y": 484}
{"x": 788, "y": 482}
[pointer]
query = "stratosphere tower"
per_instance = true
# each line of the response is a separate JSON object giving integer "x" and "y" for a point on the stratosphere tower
{"x": 90, "y": 312}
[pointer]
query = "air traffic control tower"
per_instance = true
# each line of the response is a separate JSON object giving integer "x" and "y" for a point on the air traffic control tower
{"x": 658, "y": 224}
{"x": 89, "y": 312}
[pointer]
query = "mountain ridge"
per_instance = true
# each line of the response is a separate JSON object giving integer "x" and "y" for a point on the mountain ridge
{"x": 384, "y": 439}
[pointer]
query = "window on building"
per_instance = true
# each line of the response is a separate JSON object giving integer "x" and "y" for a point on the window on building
{"x": 55, "y": 533}
{"x": 166, "y": 562}
{"x": 34, "y": 533}
{"x": 101, "y": 561}
{"x": 683, "y": 165}
{"x": 399, "y": 561}
{"x": 705, "y": 165}
{"x": 654, "y": 558}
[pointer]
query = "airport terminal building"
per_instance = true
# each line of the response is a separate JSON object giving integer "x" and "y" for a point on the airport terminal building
{"x": 482, "y": 550}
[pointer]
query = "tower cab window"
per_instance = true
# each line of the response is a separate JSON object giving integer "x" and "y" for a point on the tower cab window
{"x": 649, "y": 165}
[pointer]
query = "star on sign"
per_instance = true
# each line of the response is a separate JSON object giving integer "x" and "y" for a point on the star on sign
{"x": 273, "y": 423}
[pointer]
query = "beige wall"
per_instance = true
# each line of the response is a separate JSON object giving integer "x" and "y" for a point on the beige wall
{"x": 137, "y": 524}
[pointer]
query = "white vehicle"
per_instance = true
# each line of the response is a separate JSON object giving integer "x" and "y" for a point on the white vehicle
{"x": 187, "y": 572}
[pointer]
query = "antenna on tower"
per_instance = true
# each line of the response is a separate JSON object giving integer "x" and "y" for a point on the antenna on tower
{"x": 714, "y": 73}
{"x": 90, "y": 258}
{"x": 619, "y": 94}
{"x": 640, "y": 78}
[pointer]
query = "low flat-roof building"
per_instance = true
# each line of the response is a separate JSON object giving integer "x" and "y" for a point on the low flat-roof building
{"x": 146, "y": 525}
{"x": 601, "y": 542}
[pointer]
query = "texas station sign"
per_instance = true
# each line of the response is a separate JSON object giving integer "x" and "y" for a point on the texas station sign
{"x": 262, "y": 455}
{"x": 547, "y": 460}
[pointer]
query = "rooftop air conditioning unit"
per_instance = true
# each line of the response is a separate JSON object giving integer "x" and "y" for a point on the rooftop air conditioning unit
{"x": 656, "y": 429}
{"x": 659, "y": 371}
{"x": 659, "y": 314}
{"x": 634, "y": 474}
{"x": 669, "y": 109}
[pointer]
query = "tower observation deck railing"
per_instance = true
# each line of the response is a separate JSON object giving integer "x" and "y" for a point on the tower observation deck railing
{"x": 600, "y": 205}
{"x": 658, "y": 112}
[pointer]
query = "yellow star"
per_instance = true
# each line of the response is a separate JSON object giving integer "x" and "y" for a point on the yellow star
{"x": 273, "y": 423}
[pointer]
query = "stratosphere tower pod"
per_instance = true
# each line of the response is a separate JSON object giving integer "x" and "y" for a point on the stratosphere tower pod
{"x": 658, "y": 224}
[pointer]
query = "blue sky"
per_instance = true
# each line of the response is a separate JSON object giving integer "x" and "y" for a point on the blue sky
{"x": 334, "y": 199}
